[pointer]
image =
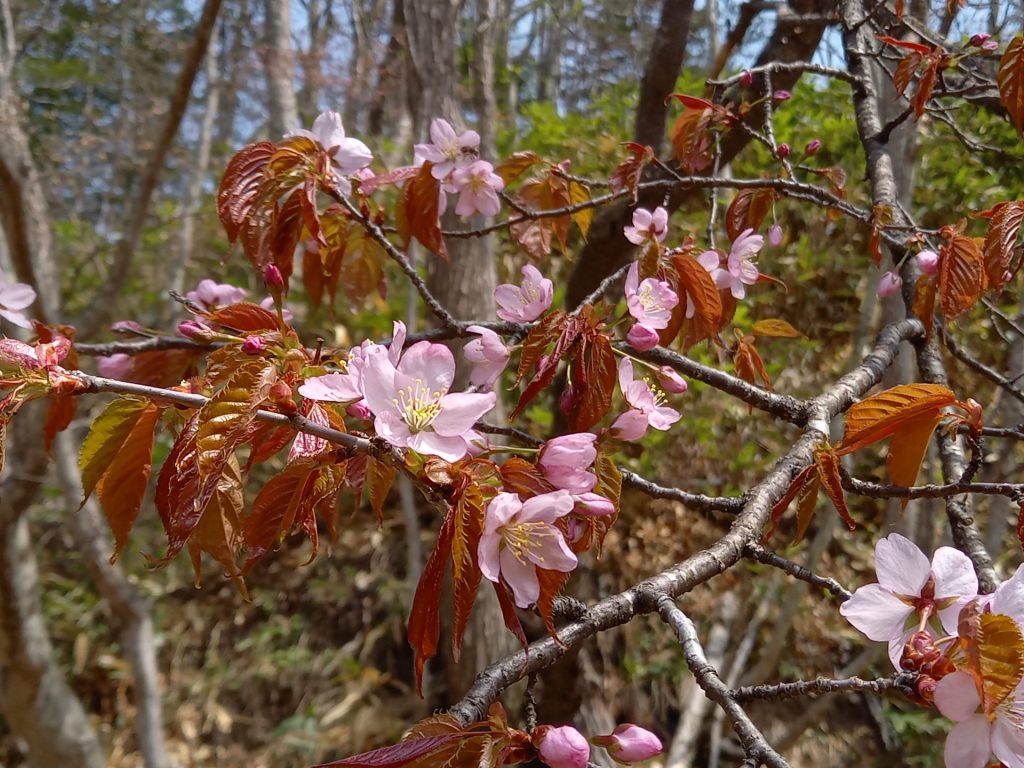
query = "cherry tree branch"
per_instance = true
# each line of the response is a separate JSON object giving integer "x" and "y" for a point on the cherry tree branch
{"x": 759, "y": 553}
{"x": 900, "y": 681}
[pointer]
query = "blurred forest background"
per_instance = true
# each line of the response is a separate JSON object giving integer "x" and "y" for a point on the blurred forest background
{"x": 100, "y": 114}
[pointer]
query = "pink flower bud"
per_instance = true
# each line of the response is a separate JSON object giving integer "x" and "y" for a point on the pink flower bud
{"x": 190, "y": 329}
{"x": 747, "y": 78}
{"x": 593, "y": 505}
{"x": 889, "y": 285}
{"x": 928, "y": 261}
{"x": 253, "y": 345}
{"x": 272, "y": 277}
{"x": 563, "y": 747}
{"x": 781, "y": 95}
{"x": 1007, "y": 276}
{"x": 775, "y": 235}
{"x": 812, "y": 147}
{"x": 782, "y": 151}
{"x": 990, "y": 46}
{"x": 565, "y": 400}
{"x": 128, "y": 328}
{"x": 566, "y": 461}
{"x": 359, "y": 410}
{"x": 642, "y": 338}
{"x": 115, "y": 366}
{"x": 630, "y": 743}
{"x": 671, "y": 382}
{"x": 980, "y": 39}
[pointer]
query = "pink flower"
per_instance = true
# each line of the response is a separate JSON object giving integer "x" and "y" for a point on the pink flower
{"x": 650, "y": 301}
{"x": 566, "y": 461}
{"x": 630, "y": 743}
{"x": 592, "y": 505}
{"x": 647, "y": 226}
{"x": 889, "y": 285}
{"x": 642, "y": 338}
{"x": 928, "y": 261}
{"x": 645, "y": 407}
{"x": 670, "y": 381}
{"x": 448, "y": 151}
{"x": 979, "y": 735}
{"x": 775, "y": 235}
{"x": 268, "y": 304}
{"x": 489, "y": 356}
{"x": 478, "y": 186}
{"x": 114, "y": 366}
{"x": 411, "y": 402}
{"x": 562, "y": 747}
{"x": 740, "y": 271}
{"x": 525, "y": 303}
{"x": 347, "y": 387}
{"x": 253, "y": 345}
{"x": 907, "y": 585}
{"x": 521, "y": 536}
{"x": 15, "y": 297}
{"x": 347, "y": 155}
{"x": 979, "y": 39}
{"x": 210, "y": 295}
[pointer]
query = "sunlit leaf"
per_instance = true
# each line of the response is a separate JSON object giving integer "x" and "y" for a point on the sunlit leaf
{"x": 775, "y": 328}
{"x": 1011, "y": 81}
{"x": 827, "y": 462}
{"x": 994, "y": 648}
{"x": 748, "y": 210}
{"x": 879, "y": 416}
{"x": 379, "y": 479}
{"x": 627, "y": 174}
{"x": 908, "y": 447}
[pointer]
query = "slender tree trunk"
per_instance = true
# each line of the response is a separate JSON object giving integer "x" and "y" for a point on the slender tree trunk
{"x": 279, "y": 65}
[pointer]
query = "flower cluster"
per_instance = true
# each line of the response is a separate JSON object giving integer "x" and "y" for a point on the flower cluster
{"x": 929, "y": 613}
{"x": 565, "y": 747}
{"x": 457, "y": 165}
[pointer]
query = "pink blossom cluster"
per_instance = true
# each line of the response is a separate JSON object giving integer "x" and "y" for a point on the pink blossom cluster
{"x": 917, "y": 607}
{"x": 457, "y": 165}
{"x": 566, "y": 747}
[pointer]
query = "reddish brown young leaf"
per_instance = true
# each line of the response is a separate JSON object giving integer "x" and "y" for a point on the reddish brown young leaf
{"x": 565, "y": 345}
{"x": 107, "y": 435}
{"x": 1000, "y": 242}
{"x": 908, "y": 45}
{"x": 691, "y": 139}
{"x": 748, "y": 210}
{"x": 363, "y": 269}
{"x": 827, "y": 462}
{"x": 176, "y": 487}
{"x": 162, "y": 368}
{"x": 546, "y": 192}
{"x": 925, "y": 86}
{"x": 240, "y": 187}
{"x": 411, "y": 753}
{"x": 908, "y": 447}
{"x": 1011, "y": 81}
{"x": 695, "y": 283}
{"x": 59, "y": 415}
{"x": 508, "y": 614}
{"x": 536, "y": 343}
{"x": 782, "y": 504}
{"x": 219, "y": 530}
{"x": 806, "y": 502}
{"x": 905, "y": 71}
{"x": 514, "y": 166}
{"x": 962, "y": 278}
{"x": 775, "y": 328}
{"x": 578, "y": 194}
{"x": 924, "y": 301}
{"x": 609, "y": 485}
{"x": 593, "y": 379}
{"x": 245, "y": 317}
{"x": 379, "y": 479}
{"x": 879, "y": 416}
{"x": 279, "y": 236}
{"x": 881, "y": 215}
{"x": 468, "y": 514}
{"x": 418, "y": 212}
{"x": 520, "y": 476}
{"x": 748, "y": 363}
{"x": 551, "y": 584}
{"x": 993, "y": 647}
{"x": 424, "y": 619}
{"x": 627, "y": 173}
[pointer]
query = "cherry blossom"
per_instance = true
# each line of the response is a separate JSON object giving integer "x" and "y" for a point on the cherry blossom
{"x": 642, "y": 338}
{"x": 562, "y": 747}
{"x": 889, "y": 284}
{"x": 347, "y": 386}
{"x": 649, "y": 301}
{"x": 526, "y": 302}
{"x": 775, "y": 235}
{"x": 15, "y": 297}
{"x": 670, "y": 381}
{"x": 630, "y": 743}
{"x": 210, "y": 294}
{"x": 489, "y": 356}
{"x": 739, "y": 271}
{"x": 647, "y": 226}
{"x": 347, "y": 155}
{"x": 411, "y": 403}
{"x": 478, "y": 186}
{"x": 646, "y": 409}
{"x": 566, "y": 462}
{"x": 907, "y": 585}
{"x": 592, "y": 505}
{"x": 928, "y": 261}
{"x": 519, "y": 537}
{"x": 448, "y": 151}
{"x": 114, "y": 366}
{"x": 979, "y": 735}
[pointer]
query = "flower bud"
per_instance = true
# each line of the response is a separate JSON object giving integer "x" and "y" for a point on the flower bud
{"x": 642, "y": 338}
{"x": 812, "y": 147}
{"x": 889, "y": 285}
{"x": 566, "y": 461}
{"x": 272, "y": 277}
{"x": 630, "y": 743}
{"x": 281, "y": 395}
{"x": 980, "y": 39}
{"x": 359, "y": 410}
{"x": 190, "y": 329}
{"x": 928, "y": 261}
{"x": 593, "y": 505}
{"x": 565, "y": 400}
{"x": 747, "y": 78}
{"x": 671, "y": 382}
{"x": 128, "y": 328}
{"x": 780, "y": 95}
{"x": 563, "y": 747}
{"x": 253, "y": 345}
{"x": 990, "y": 46}
{"x": 775, "y": 235}
{"x": 782, "y": 151}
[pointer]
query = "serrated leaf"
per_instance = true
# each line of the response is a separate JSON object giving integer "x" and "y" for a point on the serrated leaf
{"x": 379, "y": 479}
{"x": 244, "y": 316}
{"x": 520, "y": 476}
{"x": 776, "y": 328}
{"x": 594, "y": 375}
{"x": 579, "y": 193}
{"x": 59, "y": 415}
{"x": 908, "y": 447}
{"x": 402, "y": 755}
{"x": 908, "y": 45}
{"x": 219, "y": 530}
{"x": 107, "y": 435}
{"x": 565, "y": 342}
{"x": 362, "y": 271}
{"x": 418, "y": 214}
{"x": 695, "y": 285}
{"x": 807, "y": 500}
{"x": 1011, "y": 81}
{"x": 924, "y": 301}
{"x": 176, "y": 487}
{"x": 514, "y": 166}
{"x": 795, "y": 486}
{"x": 1000, "y": 242}
{"x": 881, "y": 216}
{"x": 240, "y": 187}
{"x": 994, "y": 649}
{"x": 881, "y": 415}
{"x": 609, "y": 485}
{"x": 424, "y": 619}
{"x": 962, "y": 278}
{"x": 827, "y": 462}
{"x": 627, "y": 174}
{"x": 546, "y": 192}
{"x": 748, "y": 210}
{"x": 468, "y": 514}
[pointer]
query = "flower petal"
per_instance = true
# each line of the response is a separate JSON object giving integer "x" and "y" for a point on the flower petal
{"x": 460, "y": 411}
{"x": 956, "y": 696}
{"x": 546, "y": 508}
{"x": 967, "y": 745}
{"x": 447, "y": 448}
{"x": 1009, "y": 596}
{"x": 379, "y": 381}
{"x": 1007, "y": 741}
{"x": 900, "y": 565}
{"x": 552, "y": 552}
{"x": 876, "y": 612}
{"x": 521, "y": 577}
{"x": 432, "y": 364}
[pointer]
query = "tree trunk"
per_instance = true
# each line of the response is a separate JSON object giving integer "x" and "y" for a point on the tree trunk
{"x": 661, "y": 71}
{"x": 279, "y": 65}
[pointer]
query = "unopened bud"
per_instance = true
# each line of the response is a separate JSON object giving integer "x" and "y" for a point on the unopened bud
{"x": 812, "y": 147}
{"x": 980, "y": 39}
{"x": 990, "y": 46}
{"x": 671, "y": 382}
{"x": 780, "y": 95}
{"x": 775, "y": 235}
{"x": 190, "y": 329}
{"x": 642, "y": 338}
{"x": 928, "y": 261}
{"x": 782, "y": 151}
{"x": 281, "y": 395}
{"x": 747, "y": 78}
{"x": 565, "y": 400}
{"x": 253, "y": 345}
{"x": 889, "y": 284}
{"x": 272, "y": 277}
